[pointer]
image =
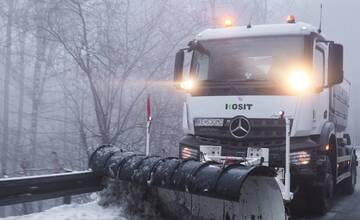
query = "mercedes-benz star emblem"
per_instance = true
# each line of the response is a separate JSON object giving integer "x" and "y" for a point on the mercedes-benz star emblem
{"x": 240, "y": 127}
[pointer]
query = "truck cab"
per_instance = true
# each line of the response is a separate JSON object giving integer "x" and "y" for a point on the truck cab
{"x": 240, "y": 78}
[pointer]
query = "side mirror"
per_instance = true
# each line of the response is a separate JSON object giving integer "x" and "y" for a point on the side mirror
{"x": 179, "y": 66}
{"x": 335, "y": 71}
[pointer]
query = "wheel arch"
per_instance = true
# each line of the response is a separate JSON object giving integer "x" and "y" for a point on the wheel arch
{"x": 328, "y": 130}
{"x": 328, "y": 137}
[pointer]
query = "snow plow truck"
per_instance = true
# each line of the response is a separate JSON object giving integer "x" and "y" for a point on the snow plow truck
{"x": 265, "y": 121}
{"x": 243, "y": 82}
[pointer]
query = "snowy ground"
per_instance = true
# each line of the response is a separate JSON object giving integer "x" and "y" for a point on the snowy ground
{"x": 89, "y": 211}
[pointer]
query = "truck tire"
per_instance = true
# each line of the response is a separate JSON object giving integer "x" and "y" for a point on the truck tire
{"x": 324, "y": 193}
{"x": 349, "y": 183}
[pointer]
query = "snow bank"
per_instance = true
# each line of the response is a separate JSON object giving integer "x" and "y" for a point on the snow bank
{"x": 116, "y": 202}
{"x": 89, "y": 211}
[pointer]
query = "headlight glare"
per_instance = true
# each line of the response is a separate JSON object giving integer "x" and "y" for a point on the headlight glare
{"x": 299, "y": 80}
{"x": 187, "y": 85}
{"x": 187, "y": 152}
{"x": 300, "y": 158}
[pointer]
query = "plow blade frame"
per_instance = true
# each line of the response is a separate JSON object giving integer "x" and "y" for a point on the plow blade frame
{"x": 209, "y": 179}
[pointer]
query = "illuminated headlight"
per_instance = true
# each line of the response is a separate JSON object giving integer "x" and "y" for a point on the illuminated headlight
{"x": 300, "y": 158}
{"x": 209, "y": 122}
{"x": 300, "y": 81}
{"x": 187, "y": 152}
{"x": 187, "y": 85}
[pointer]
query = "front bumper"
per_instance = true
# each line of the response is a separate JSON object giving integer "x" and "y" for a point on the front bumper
{"x": 189, "y": 147}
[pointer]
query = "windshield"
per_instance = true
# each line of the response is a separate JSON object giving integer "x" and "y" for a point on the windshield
{"x": 245, "y": 59}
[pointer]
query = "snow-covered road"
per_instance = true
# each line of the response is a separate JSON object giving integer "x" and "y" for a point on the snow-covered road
{"x": 89, "y": 211}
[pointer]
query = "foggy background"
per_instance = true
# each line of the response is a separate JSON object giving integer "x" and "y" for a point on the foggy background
{"x": 76, "y": 73}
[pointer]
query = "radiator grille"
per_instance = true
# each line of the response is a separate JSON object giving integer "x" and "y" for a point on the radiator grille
{"x": 260, "y": 129}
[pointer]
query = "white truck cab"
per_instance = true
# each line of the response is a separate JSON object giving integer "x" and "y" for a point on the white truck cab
{"x": 241, "y": 78}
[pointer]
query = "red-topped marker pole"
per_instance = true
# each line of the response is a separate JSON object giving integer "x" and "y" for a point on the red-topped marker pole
{"x": 148, "y": 124}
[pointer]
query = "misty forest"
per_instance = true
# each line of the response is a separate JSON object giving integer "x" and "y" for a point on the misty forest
{"x": 76, "y": 73}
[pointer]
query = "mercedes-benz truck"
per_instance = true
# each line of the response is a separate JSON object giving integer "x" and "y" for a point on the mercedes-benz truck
{"x": 241, "y": 78}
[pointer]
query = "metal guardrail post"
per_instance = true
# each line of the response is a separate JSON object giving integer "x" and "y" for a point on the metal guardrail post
{"x": 67, "y": 199}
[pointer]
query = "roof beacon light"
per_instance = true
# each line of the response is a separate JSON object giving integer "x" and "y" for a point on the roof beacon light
{"x": 291, "y": 19}
{"x": 228, "y": 22}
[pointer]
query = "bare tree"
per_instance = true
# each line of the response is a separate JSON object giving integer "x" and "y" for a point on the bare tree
{"x": 37, "y": 76}
{"x": 113, "y": 65}
{"x": 23, "y": 36}
{"x": 8, "y": 62}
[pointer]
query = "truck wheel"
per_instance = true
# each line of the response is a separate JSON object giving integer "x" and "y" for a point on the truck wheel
{"x": 324, "y": 193}
{"x": 348, "y": 185}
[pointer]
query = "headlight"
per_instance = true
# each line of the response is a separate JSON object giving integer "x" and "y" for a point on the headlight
{"x": 300, "y": 158}
{"x": 299, "y": 81}
{"x": 187, "y": 85}
{"x": 209, "y": 122}
{"x": 228, "y": 22}
{"x": 187, "y": 152}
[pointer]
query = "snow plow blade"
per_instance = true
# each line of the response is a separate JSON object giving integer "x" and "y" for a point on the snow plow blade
{"x": 179, "y": 189}
{"x": 189, "y": 189}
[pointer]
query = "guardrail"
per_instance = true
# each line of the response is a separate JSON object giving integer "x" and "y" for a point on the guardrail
{"x": 33, "y": 188}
